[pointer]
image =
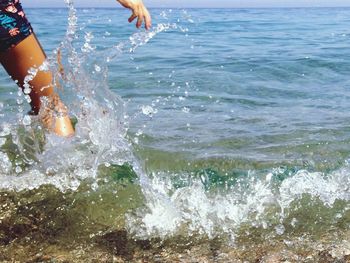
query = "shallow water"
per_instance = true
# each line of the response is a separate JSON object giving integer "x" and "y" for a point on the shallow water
{"x": 220, "y": 135}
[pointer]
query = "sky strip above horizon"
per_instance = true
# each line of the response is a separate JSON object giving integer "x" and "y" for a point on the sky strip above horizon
{"x": 195, "y": 3}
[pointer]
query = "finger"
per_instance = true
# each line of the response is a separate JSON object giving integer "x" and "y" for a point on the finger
{"x": 148, "y": 20}
{"x": 139, "y": 21}
{"x": 132, "y": 17}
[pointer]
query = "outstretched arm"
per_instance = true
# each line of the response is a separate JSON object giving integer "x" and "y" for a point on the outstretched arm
{"x": 139, "y": 11}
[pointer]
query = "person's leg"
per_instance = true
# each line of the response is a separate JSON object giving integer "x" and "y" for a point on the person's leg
{"x": 17, "y": 61}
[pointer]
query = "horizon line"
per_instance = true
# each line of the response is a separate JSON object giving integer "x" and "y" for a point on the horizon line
{"x": 193, "y": 7}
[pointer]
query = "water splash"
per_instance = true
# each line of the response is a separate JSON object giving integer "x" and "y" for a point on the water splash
{"x": 100, "y": 130}
{"x": 263, "y": 202}
{"x": 80, "y": 76}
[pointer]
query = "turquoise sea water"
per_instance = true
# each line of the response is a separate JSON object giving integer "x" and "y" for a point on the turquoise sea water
{"x": 222, "y": 124}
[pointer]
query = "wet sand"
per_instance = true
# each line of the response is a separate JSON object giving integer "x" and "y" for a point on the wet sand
{"x": 116, "y": 247}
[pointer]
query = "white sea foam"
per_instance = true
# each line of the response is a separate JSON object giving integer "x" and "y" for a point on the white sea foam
{"x": 194, "y": 210}
{"x": 328, "y": 189}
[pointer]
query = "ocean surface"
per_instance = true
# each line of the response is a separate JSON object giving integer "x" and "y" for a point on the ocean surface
{"x": 220, "y": 134}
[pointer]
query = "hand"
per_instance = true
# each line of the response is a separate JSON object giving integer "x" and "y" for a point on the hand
{"x": 139, "y": 11}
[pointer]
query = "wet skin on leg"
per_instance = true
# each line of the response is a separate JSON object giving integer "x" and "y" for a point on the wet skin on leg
{"x": 17, "y": 61}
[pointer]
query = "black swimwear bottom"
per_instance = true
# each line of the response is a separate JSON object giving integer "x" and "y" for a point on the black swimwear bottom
{"x": 14, "y": 26}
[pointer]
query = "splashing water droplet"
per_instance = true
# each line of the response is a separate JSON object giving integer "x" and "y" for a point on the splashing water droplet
{"x": 97, "y": 68}
{"x": 148, "y": 110}
{"x": 19, "y": 101}
{"x": 26, "y": 120}
{"x": 18, "y": 169}
{"x": 27, "y": 89}
{"x": 185, "y": 110}
{"x": 27, "y": 97}
{"x": 280, "y": 230}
